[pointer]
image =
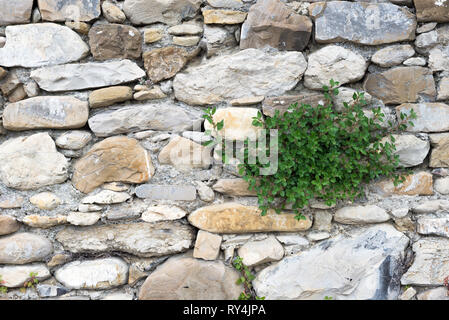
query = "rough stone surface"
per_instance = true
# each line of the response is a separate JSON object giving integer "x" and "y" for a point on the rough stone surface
{"x": 439, "y": 293}
{"x": 420, "y": 183}
{"x": 152, "y": 35}
{"x": 207, "y": 245}
{"x": 93, "y": 274}
{"x": 219, "y": 16}
{"x": 442, "y": 185}
{"x": 333, "y": 62}
{"x": 258, "y": 252}
{"x": 84, "y": 76}
{"x": 431, "y": 117}
{"x": 16, "y": 276}
{"x": 36, "y": 45}
{"x": 140, "y": 239}
{"x": 45, "y": 200}
{"x": 106, "y": 197}
{"x": 282, "y": 103}
{"x": 73, "y": 140}
{"x": 393, "y": 55}
{"x": 186, "y": 278}
{"x": 15, "y": 12}
{"x": 363, "y": 265}
{"x": 361, "y": 215}
{"x": 236, "y": 218}
{"x": 233, "y": 187}
{"x": 443, "y": 89}
{"x": 432, "y": 10}
{"x": 112, "y": 13}
{"x": 166, "y": 192}
{"x": 113, "y": 159}
{"x": 411, "y": 150}
{"x": 433, "y": 226}
{"x": 22, "y": 248}
{"x": 83, "y": 218}
{"x": 31, "y": 162}
{"x": 8, "y": 225}
{"x": 44, "y": 222}
{"x": 162, "y": 213}
{"x": 46, "y": 112}
{"x": 248, "y": 72}
{"x": 439, "y": 156}
{"x": 61, "y": 10}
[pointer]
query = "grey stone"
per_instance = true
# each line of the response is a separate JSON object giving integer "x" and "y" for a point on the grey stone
{"x": 439, "y": 58}
{"x": 15, "y": 12}
{"x": 433, "y": 226}
{"x": 48, "y": 290}
{"x": 166, "y": 192}
{"x": 63, "y": 10}
{"x": 258, "y": 252}
{"x": 361, "y": 214}
{"x": 415, "y": 61}
{"x": 431, "y": 117}
{"x": 73, "y": 140}
{"x": 393, "y": 55}
{"x": 21, "y": 248}
{"x": 411, "y": 150}
{"x": 442, "y": 185}
{"x": 431, "y": 206}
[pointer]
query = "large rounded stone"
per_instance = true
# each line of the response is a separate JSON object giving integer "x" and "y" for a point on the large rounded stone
{"x": 16, "y": 276}
{"x": 21, "y": 248}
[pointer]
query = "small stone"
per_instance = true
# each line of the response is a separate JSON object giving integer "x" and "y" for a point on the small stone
{"x": 346, "y": 94}
{"x": 3, "y": 73}
{"x": 166, "y": 192}
{"x": 282, "y": 103}
{"x": 318, "y": 235}
{"x": 106, "y": 197}
{"x": 258, "y": 252}
{"x": 207, "y": 245}
{"x": 8, "y": 225}
{"x": 393, "y": 55}
{"x": 233, "y": 187}
{"x": 18, "y": 94}
{"x": 162, "y": 213}
{"x": 416, "y": 61}
{"x": 112, "y": 13}
{"x": 247, "y": 101}
{"x": 441, "y": 172}
{"x": 81, "y": 10}
{"x": 225, "y": 3}
{"x": 58, "y": 259}
{"x": 89, "y": 208}
{"x": 426, "y": 27}
{"x": 116, "y": 186}
{"x": 83, "y": 218}
{"x": 152, "y": 35}
{"x": 150, "y": 94}
{"x": 73, "y": 140}
{"x": 400, "y": 212}
{"x": 420, "y": 183}
{"x": 217, "y": 38}
{"x": 443, "y": 89}
{"x": 22, "y": 248}
{"x": 198, "y": 137}
{"x": 9, "y": 84}
{"x": 431, "y": 117}
{"x": 431, "y": 206}
{"x": 118, "y": 296}
{"x": 16, "y": 276}
{"x": 204, "y": 192}
{"x": 433, "y": 226}
{"x": 185, "y": 29}
{"x": 292, "y": 239}
{"x": 109, "y": 96}
{"x": 439, "y": 293}
{"x": 442, "y": 185}
{"x": 404, "y": 224}
{"x": 361, "y": 215}
{"x": 439, "y": 156}
{"x": 12, "y": 203}
{"x": 93, "y": 274}
{"x": 45, "y": 201}
{"x": 31, "y": 89}
{"x": 408, "y": 294}
{"x": 426, "y": 41}
{"x": 322, "y": 221}
{"x": 186, "y": 41}
{"x": 160, "y": 137}
{"x": 219, "y": 16}
{"x": 78, "y": 26}
{"x": 44, "y": 222}
{"x": 46, "y": 290}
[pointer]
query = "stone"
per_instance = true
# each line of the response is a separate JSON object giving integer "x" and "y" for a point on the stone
{"x": 282, "y": 103}
{"x": 185, "y": 29}
{"x": 233, "y": 187}
{"x": 162, "y": 213}
{"x": 333, "y": 62}
{"x": 31, "y": 89}
{"x": 150, "y": 94}
{"x": 431, "y": 117}
{"x": 431, "y": 263}
{"x": 247, "y": 72}
{"x": 238, "y": 123}
{"x": 439, "y": 157}
{"x": 89, "y": 207}
{"x": 408, "y": 294}
{"x": 439, "y": 293}
{"x": 8, "y": 225}
{"x": 164, "y": 63}
{"x": 361, "y": 265}
{"x": 433, "y": 226}
{"x": 424, "y": 42}
{"x": 415, "y": 62}
{"x": 411, "y": 150}
{"x": 362, "y": 23}
{"x": 12, "y": 202}
{"x": 443, "y": 89}
{"x": 247, "y": 101}
{"x": 152, "y": 35}
{"x": 31, "y": 162}
{"x": 432, "y": 10}
{"x": 132, "y": 209}
{"x": 141, "y": 239}
{"x": 186, "y": 41}
{"x": 80, "y": 27}
{"x": 426, "y": 27}
{"x": 53, "y": 112}
{"x": 431, "y": 206}
{"x": 115, "y": 41}
{"x": 45, "y": 200}
{"x": 322, "y": 221}
{"x": 62, "y": 10}
{"x": 204, "y": 191}
{"x": 219, "y": 16}
{"x": 439, "y": 58}
{"x": 73, "y": 140}
{"x": 400, "y": 212}
{"x": 16, "y": 276}
{"x": 166, "y": 192}
{"x": 71, "y": 77}
{"x": 22, "y": 248}
{"x": 106, "y": 197}
{"x": 164, "y": 116}
{"x": 112, "y": 13}
{"x": 35, "y": 45}
{"x": 258, "y": 252}
{"x": 217, "y": 38}
{"x": 15, "y": 12}
{"x": 184, "y": 154}
{"x": 3, "y": 73}
{"x": 9, "y": 84}
{"x": 236, "y": 218}
{"x": 196, "y": 136}
{"x": 225, "y": 3}
{"x": 93, "y": 274}
{"x": 420, "y": 183}
{"x": 207, "y": 245}
{"x": 83, "y": 218}
{"x": 112, "y": 159}
{"x": 168, "y": 12}
{"x": 442, "y": 185}
{"x": 18, "y": 94}
{"x": 401, "y": 84}
{"x": 109, "y": 96}
{"x": 393, "y": 55}
{"x": 211, "y": 280}
{"x": 47, "y": 290}
{"x": 44, "y": 222}
{"x": 287, "y": 29}
{"x": 116, "y": 186}
{"x": 361, "y": 215}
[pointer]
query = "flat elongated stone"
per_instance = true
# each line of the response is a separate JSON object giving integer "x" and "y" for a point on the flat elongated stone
{"x": 247, "y": 72}
{"x": 83, "y": 218}
{"x": 140, "y": 239}
{"x": 71, "y": 77}
{"x": 36, "y": 45}
{"x": 282, "y": 103}
{"x": 393, "y": 55}
{"x": 439, "y": 293}
{"x": 8, "y": 225}
{"x": 360, "y": 22}
{"x": 76, "y": 10}
{"x": 233, "y": 187}
{"x": 401, "y": 84}
{"x": 21, "y": 248}
{"x": 152, "y": 116}
{"x": 431, "y": 117}
{"x": 16, "y": 276}
{"x": 161, "y": 192}
{"x": 184, "y": 154}
{"x": 432, "y": 10}
{"x": 109, "y": 96}
{"x": 73, "y": 140}
{"x": 218, "y": 16}
{"x": 113, "y": 159}
{"x": 360, "y": 265}
{"x": 93, "y": 274}
{"x": 420, "y": 183}
{"x": 236, "y": 218}
{"x": 185, "y": 29}
{"x": 106, "y": 197}
{"x": 14, "y": 12}
{"x": 361, "y": 214}
{"x": 162, "y": 213}
{"x": 31, "y": 162}
{"x": 433, "y": 226}
{"x": 170, "y": 12}
{"x": 46, "y": 112}
{"x": 431, "y": 206}
{"x": 287, "y": 30}
{"x": 44, "y": 222}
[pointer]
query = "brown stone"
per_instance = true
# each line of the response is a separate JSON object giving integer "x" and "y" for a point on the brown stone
{"x": 58, "y": 259}
{"x": 44, "y": 222}
{"x": 109, "y": 96}
{"x": 110, "y": 41}
{"x": 282, "y": 103}
{"x": 440, "y": 150}
{"x": 223, "y": 16}
{"x": 3, "y": 73}
{"x": 272, "y": 23}
{"x": 18, "y": 94}
{"x": 117, "y": 158}
{"x": 152, "y": 35}
{"x": 9, "y": 84}
{"x": 233, "y": 187}
{"x": 432, "y": 10}
{"x": 420, "y": 183}
{"x": 236, "y": 218}
{"x": 164, "y": 63}
{"x": 80, "y": 27}
{"x": 8, "y": 225}
{"x": 401, "y": 84}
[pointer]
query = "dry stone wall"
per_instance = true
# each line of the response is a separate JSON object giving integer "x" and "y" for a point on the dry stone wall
{"x": 106, "y": 191}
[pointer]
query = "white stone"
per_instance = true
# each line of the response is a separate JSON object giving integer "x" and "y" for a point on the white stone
{"x": 400, "y": 212}
{"x": 442, "y": 185}
{"x": 16, "y": 276}
{"x": 73, "y": 140}
{"x": 258, "y": 252}
{"x": 408, "y": 294}
{"x": 204, "y": 191}
{"x": 433, "y": 226}
{"x": 393, "y": 55}
{"x": 162, "y": 213}
{"x": 185, "y": 29}
{"x": 318, "y": 235}
{"x": 83, "y": 218}
{"x": 361, "y": 214}
{"x": 411, "y": 150}
{"x": 431, "y": 206}
{"x": 207, "y": 245}
{"x": 439, "y": 58}
{"x": 415, "y": 61}
{"x": 106, "y": 197}
{"x": 443, "y": 89}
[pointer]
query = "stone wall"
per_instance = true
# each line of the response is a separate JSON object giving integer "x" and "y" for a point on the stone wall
{"x": 106, "y": 191}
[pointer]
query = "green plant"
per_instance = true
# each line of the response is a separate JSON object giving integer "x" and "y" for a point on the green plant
{"x": 322, "y": 153}
{"x": 328, "y": 298}
{"x": 246, "y": 279}
{"x": 30, "y": 283}
{"x": 3, "y": 289}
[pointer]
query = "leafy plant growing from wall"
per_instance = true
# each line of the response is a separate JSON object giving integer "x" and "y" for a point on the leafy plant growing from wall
{"x": 322, "y": 153}
{"x": 3, "y": 289}
{"x": 246, "y": 278}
